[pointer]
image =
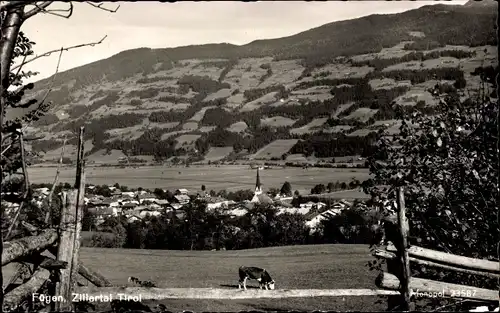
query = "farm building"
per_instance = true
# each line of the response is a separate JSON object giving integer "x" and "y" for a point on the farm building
{"x": 146, "y": 197}
{"x": 181, "y": 192}
{"x": 314, "y": 222}
{"x": 182, "y": 199}
{"x": 216, "y": 203}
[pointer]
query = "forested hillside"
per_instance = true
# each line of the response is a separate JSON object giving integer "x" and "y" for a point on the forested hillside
{"x": 324, "y": 92}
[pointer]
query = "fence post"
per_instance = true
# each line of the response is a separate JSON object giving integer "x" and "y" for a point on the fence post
{"x": 80, "y": 201}
{"x": 65, "y": 248}
{"x": 402, "y": 246}
{"x": 391, "y": 233}
{"x": 69, "y": 242}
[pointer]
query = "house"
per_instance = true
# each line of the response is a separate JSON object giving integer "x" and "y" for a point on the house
{"x": 104, "y": 213}
{"x": 237, "y": 212}
{"x": 314, "y": 222}
{"x": 283, "y": 197}
{"x": 106, "y": 201}
{"x": 239, "y": 209}
{"x": 149, "y": 211}
{"x": 181, "y": 192}
{"x": 292, "y": 210}
{"x": 114, "y": 204}
{"x": 42, "y": 191}
{"x": 129, "y": 205}
{"x": 10, "y": 207}
{"x": 146, "y": 197}
{"x": 182, "y": 199}
{"x": 175, "y": 206}
{"x": 133, "y": 218}
{"x": 129, "y": 194}
{"x": 217, "y": 202}
{"x": 96, "y": 203}
{"x": 221, "y": 204}
{"x": 161, "y": 202}
{"x": 313, "y": 206}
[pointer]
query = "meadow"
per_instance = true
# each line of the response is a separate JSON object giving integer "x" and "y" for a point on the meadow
{"x": 230, "y": 177}
{"x": 293, "y": 267}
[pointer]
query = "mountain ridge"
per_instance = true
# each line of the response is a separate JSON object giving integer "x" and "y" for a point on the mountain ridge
{"x": 292, "y": 96}
{"x": 255, "y": 49}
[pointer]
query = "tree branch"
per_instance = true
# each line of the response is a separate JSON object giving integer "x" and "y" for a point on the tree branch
{"x": 61, "y": 49}
{"x": 19, "y": 69}
{"x": 37, "y": 9}
{"x": 53, "y": 79}
{"x": 69, "y": 11}
{"x": 99, "y": 6}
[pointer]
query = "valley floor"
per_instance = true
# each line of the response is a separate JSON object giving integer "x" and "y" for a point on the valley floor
{"x": 229, "y": 177}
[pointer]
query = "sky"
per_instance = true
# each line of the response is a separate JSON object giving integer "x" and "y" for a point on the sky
{"x": 162, "y": 25}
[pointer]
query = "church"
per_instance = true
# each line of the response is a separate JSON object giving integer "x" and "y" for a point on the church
{"x": 259, "y": 197}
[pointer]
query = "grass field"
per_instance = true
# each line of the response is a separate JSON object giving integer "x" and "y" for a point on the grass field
{"x": 238, "y": 127}
{"x": 265, "y": 99}
{"x": 311, "y": 127}
{"x": 277, "y": 121}
{"x": 218, "y": 153}
{"x": 190, "y": 126}
{"x": 101, "y": 156}
{"x": 184, "y": 140}
{"x": 343, "y": 194}
{"x": 198, "y": 116}
{"x": 230, "y": 177}
{"x": 361, "y": 114}
{"x": 293, "y": 267}
{"x": 275, "y": 149}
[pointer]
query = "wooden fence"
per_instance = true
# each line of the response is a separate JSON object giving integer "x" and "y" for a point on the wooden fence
{"x": 401, "y": 255}
{"x": 60, "y": 267}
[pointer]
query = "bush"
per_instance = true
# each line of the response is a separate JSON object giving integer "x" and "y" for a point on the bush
{"x": 448, "y": 167}
{"x": 102, "y": 240}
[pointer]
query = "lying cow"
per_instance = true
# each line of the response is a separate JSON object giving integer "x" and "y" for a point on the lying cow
{"x": 259, "y": 274}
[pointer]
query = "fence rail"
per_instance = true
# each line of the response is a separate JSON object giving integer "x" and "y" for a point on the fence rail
{"x": 226, "y": 294}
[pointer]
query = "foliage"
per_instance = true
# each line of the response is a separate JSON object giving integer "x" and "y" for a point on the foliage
{"x": 201, "y": 84}
{"x": 322, "y": 145}
{"x": 196, "y": 228}
{"x": 10, "y": 159}
{"x": 380, "y": 64}
{"x": 350, "y": 226}
{"x": 448, "y": 166}
{"x": 286, "y": 189}
{"x": 332, "y": 187}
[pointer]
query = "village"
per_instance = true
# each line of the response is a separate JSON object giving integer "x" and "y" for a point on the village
{"x": 138, "y": 204}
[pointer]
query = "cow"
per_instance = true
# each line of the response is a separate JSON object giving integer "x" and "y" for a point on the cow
{"x": 259, "y": 274}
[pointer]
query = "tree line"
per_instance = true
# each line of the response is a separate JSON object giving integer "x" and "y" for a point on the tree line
{"x": 379, "y": 64}
{"x": 201, "y": 229}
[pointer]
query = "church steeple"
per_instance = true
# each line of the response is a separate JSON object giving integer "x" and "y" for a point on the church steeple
{"x": 258, "y": 185}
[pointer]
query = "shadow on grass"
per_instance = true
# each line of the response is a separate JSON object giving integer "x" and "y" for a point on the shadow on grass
{"x": 236, "y": 286}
